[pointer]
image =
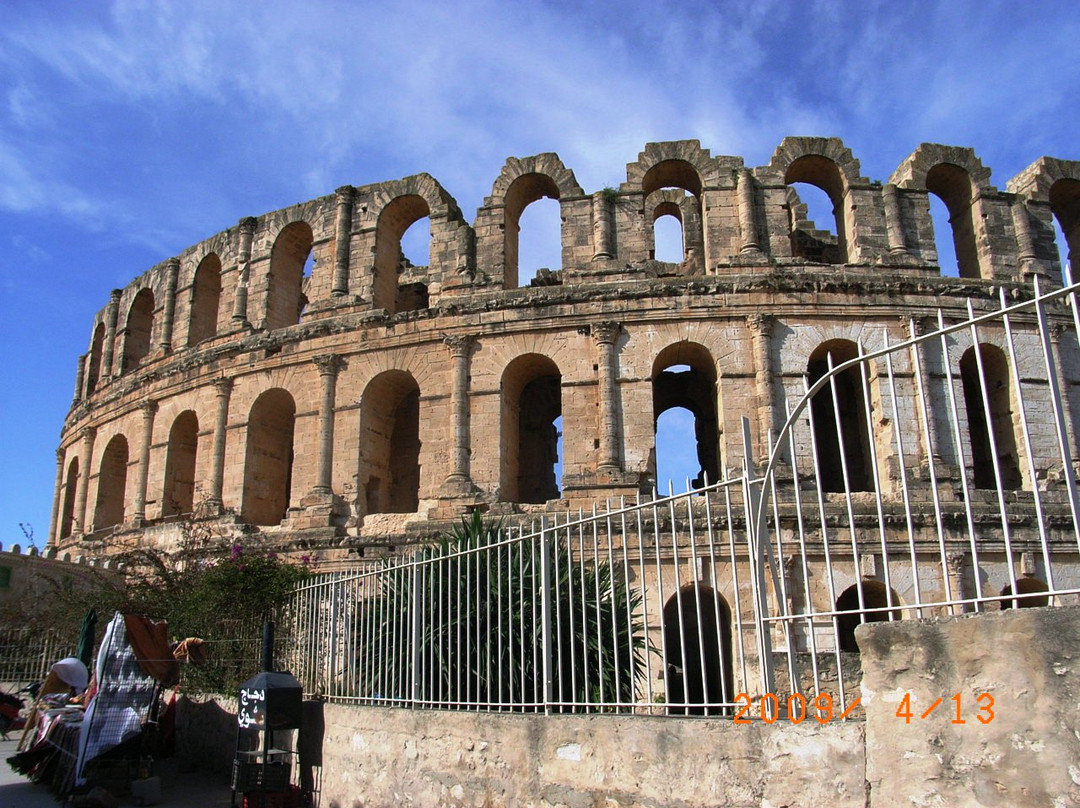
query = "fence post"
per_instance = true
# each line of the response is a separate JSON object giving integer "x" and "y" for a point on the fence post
{"x": 756, "y": 556}
{"x": 545, "y": 615}
{"x": 414, "y": 639}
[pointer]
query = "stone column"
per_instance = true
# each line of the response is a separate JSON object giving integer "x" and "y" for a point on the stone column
{"x": 955, "y": 564}
{"x": 603, "y": 232}
{"x": 1056, "y": 330}
{"x": 86, "y": 452}
{"x": 747, "y": 220}
{"x": 172, "y": 269}
{"x": 109, "y": 349}
{"x": 52, "y": 537}
{"x": 894, "y": 224}
{"x": 223, "y": 390}
{"x": 80, "y": 378}
{"x": 148, "y": 411}
{"x": 1024, "y": 241}
{"x": 343, "y": 196}
{"x": 458, "y": 480}
{"x": 329, "y": 365}
{"x": 243, "y": 264}
{"x": 605, "y": 334}
{"x": 761, "y": 326}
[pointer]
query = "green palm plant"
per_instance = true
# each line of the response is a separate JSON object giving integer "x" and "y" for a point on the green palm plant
{"x": 463, "y": 624}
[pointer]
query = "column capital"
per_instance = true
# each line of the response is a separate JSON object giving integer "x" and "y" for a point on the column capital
{"x": 1056, "y": 331}
{"x": 760, "y": 324}
{"x": 459, "y": 344}
{"x": 223, "y": 386}
{"x": 148, "y": 409}
{"x": 328, "y": 364}
{"x": 88, "y": 433}
{"x": 247, "y": 225}
{"x": 61, "y": 453}
{"x": 344, "y": 195}
{"x": 606, "y": 332}
{"x": 956, "y": 561}
{"x": 173, "y": 263}
{"x": 115, "y": 294}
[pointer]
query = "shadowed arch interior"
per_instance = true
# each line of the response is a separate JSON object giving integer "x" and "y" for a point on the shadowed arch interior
{"x": 179, "y": 494}
{"x": 390, "y": 444}
{"x": 285, "y": 298}
{"x": 999, "y": 434}
{"x": 138, "y": 330}
{"x": 694, "y": 389}
{"x": 841, "y": 427}
{"x": 875, "y": 595}
{"x": 112, "y": 484}
{"x": 268, "y": 462}
{"x": 93, "y": 365}
{"x": 205, "y": 300}
{"x": 1065, "y": 205}
{"x": 697, "y": 651}
{"x": 822, "y": 173}
{"x": 67, "y": 514}
{"x": 1031, "y": 593}
{"x": 531, "y": 404}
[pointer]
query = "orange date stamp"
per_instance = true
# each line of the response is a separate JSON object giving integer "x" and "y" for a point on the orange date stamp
{"x": 984, "y": 712}
{"x": 769, "y": 708}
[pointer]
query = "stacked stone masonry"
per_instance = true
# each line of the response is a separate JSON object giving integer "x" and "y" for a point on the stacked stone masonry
{"x": 295, "y": 373}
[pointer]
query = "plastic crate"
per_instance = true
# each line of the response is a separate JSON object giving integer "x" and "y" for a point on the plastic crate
{"x": 256, "y": 777}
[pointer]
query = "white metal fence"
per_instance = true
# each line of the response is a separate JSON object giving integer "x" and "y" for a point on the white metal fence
{"x": 929, "y": 475}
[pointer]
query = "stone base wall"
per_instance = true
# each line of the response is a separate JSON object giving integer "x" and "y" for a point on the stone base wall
{"x": 1023, "y": 754}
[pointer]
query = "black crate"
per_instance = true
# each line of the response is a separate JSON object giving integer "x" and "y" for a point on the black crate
{"x": 256, "y": 777}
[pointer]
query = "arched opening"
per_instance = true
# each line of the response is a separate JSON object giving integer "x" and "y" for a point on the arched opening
{"x": 285, "y": 298}
{"x": 668, "y": 237}
{"x": 952, "y": 184}
{"x": 1065, "y": 205}
{"x": 268, "y": 463}
{"x": 93, "y": 364}
{"x": 531, "y": 412}
{"x": 138, "y": 330}
{"x": 697, "y": 651}
{"x": 875, "y": 595}
{"x": 179, "y": 494}
{"x": 205, "y": 299}
{"x": 397, "y": 285}
{"x": 677, "y": 464}
{"x": 531, "y": 204}
{"x": 990, "y": 392}
{"x": 841, "y": 437}
{"x": 684, "y": 378}
{"x": 390, "y": 444}
{"x": 816, "y": 199}
{"x": 1031, "y": 593}
{"x": 946, "y": 250}
{"x": 67, "y": 514}
{"x": 112, "y": 484}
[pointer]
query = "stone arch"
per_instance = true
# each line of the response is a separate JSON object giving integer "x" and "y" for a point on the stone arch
{"x": 112, "y": 484}
{"x": 1064, "y": 200}
{"x": 178, "y": 496}
{"x": 957, "y": 176}
{"x": 522, "y": 181}
{"x": 686, "y": 210}
{"x": 93, "y": 362}
{"x": 695, "y": 390}
{"x": 697, "y": 651}
{"x": 990, "y": 391}
{"x": 1055, "y": 184}
{"x": 138, "y": 329}
{"x": 841, "y": 436}
{"x": 672, "y": 164}
{"x": 67, "y": 512}
{"x": 875, "y": 595}
{"x": 531, "y": 396}
{"x": 828, "y": 164}
{"x": 390, "y": 444}
{"x": 205, "y": 300}
{"x": 1031, "y": 593}
{"x": 394, "y": 219}
{"x": 285, "y": 299}
{"x": 269, "y": 456}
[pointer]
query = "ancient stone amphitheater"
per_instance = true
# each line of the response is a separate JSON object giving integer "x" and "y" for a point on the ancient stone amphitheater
{"x": 294, "y": 375}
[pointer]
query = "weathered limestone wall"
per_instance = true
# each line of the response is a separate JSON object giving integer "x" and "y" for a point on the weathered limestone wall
{"x": 1027, "y": 754}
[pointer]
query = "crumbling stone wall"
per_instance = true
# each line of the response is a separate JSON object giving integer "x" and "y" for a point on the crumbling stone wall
{"x": 206, "y": 334}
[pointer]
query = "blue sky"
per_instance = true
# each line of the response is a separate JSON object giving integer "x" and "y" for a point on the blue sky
{"x": 131, "y": 130}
